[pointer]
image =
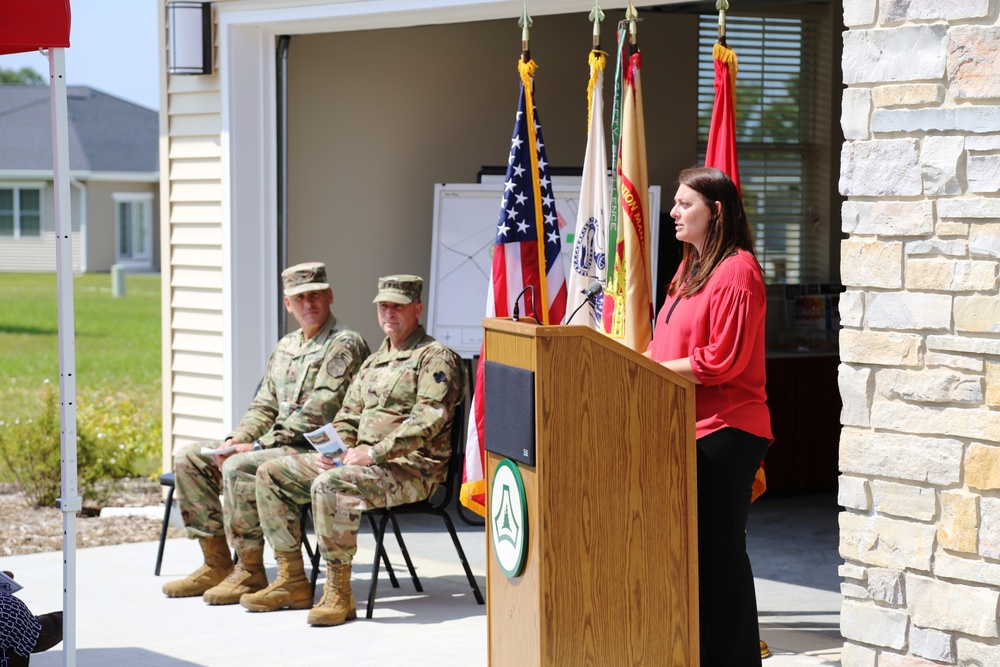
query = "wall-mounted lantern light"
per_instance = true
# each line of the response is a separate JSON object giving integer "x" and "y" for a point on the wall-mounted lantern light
{"x": 189, "y": 26}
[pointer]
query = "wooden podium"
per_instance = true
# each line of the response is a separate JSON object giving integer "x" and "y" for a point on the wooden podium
{"x": 611, "y": 569}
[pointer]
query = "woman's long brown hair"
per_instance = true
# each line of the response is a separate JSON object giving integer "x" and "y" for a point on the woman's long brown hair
{"x": 727, "y": 232}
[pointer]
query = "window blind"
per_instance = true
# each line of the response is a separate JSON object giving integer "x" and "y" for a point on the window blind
{"x": 776, "y": 107}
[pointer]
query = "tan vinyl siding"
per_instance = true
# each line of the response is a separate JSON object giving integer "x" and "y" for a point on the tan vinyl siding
{"x": 195, "y": 147}
{"x": 197, "y": 363}
{"x": 186, "y": 276}
{"x": 192, "y": 429}
{"x": 198, "y": 212}
{"x": 197, "y": 256}
{"x": 196, "y": 320}
{"x": 37, "y": 255}
{"x": 195, "y": 234}
{"x": 193, "y": 126}
{"x": 198, "y": 385}
{"x": 203, "y": 300}
{"x": 190, "y": 170}
{"x": 197, "y": 406}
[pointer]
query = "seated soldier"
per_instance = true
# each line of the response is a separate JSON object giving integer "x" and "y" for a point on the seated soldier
{"x": 395, "y": 421}
{"x": 305, "y": 381}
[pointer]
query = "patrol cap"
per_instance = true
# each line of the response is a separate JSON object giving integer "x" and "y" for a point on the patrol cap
{"x": 402, "y": 289}
{"x": 307, "y": 277}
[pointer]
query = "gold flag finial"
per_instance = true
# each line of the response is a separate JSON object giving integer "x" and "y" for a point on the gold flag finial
{"x": 723, "y": 7}
{"x": 632, "y": 16}
{"x": 596, "y": 16}
{"x": 525, "y": 23}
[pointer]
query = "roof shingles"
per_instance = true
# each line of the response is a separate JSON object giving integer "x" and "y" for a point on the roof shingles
{"x": 106, "y": 133}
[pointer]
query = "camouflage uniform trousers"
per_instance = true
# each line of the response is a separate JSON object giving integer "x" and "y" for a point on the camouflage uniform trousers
{"x": 339, "y": 496}
{"x": 199, "y": 483}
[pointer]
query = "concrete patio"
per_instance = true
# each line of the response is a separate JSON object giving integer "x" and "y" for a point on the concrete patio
{"x": 124, "y": 619}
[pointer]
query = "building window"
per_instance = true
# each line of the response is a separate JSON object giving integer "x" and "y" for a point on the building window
{"x": 20, "y": 212}
{"x": 776, "y": 93}
{"x": 133, "y": 226}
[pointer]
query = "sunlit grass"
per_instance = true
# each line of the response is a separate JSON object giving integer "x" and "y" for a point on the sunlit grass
{"x": 117, "y": 342}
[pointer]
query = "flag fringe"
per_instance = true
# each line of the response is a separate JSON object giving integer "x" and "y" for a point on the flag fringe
{"x": 527, "y": 69}
{"x": 759, "y": 484}
{"x": 471, "y": 491}
{"x": 727, "y": 56}
{"x": 597, "y": 60}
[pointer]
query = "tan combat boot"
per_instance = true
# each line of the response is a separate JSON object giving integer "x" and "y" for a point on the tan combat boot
{"x": 290, "y": 590}
{"x": 218, "y": 564}
{"x": 337, "y": 603}
{"x": 247, "y": 577}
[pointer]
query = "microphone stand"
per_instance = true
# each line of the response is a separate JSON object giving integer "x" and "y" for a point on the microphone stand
{"x": 589, "y": 299}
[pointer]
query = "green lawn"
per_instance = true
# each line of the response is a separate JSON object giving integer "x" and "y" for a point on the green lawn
{"x": 117, "y": 343}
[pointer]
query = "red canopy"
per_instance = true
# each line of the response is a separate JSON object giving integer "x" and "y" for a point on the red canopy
{"x": 28, "y": 25}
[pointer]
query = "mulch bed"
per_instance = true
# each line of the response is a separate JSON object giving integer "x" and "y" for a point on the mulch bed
{"x": 28, "y": 530}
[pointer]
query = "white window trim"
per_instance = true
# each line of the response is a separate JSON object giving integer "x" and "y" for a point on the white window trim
{"x": 128, "y": 198}
{"x": 41, "y": 186}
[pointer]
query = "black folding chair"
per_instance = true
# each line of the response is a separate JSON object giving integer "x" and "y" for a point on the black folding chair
{"x": 166, "y": 479}
{"x": 380, "y": 518}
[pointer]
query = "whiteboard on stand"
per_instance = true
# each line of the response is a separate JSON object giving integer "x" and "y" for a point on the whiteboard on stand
{"x": 465, "y": 221}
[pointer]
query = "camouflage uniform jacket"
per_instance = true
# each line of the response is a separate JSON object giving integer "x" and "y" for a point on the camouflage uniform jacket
{"x": 401, "y": 404}
{"x": 303, "y": 386}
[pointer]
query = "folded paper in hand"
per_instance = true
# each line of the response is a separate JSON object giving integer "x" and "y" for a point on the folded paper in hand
{"x": 8, "y": 585}
{"x": 218, "y": 451}
{"x": 326, "y": 441}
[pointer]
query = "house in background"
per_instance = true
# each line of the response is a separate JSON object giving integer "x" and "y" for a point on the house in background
{"x": 113, "y": 160}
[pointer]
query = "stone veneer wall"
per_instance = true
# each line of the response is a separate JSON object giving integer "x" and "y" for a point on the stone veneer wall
{"x": 920, "y": 347}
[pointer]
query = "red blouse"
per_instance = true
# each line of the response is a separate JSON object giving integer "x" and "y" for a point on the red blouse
{"x": 721, "y": 329}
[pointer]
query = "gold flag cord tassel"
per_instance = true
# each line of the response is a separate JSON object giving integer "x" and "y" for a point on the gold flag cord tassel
{"x": 597, "y": 60}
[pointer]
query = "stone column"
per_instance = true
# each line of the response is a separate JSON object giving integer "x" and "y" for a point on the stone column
{"x": 920, "y": 347}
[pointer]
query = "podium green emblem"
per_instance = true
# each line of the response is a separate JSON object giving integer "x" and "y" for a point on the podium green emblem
{"x": 508, "y": 519}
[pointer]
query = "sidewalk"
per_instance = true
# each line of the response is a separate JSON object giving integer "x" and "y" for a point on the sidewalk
{"x": 124, "y": 619}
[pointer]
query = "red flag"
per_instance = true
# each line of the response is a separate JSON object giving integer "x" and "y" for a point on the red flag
{"x": 29, "y": 25}
{"x": 721, "y": 151}
{"x": 526, "y": 252}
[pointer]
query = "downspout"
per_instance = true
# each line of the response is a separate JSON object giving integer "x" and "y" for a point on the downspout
{"x": 282, "y": 118}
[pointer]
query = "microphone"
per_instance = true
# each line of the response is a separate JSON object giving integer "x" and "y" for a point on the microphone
{"x": 517, "y": 313}
{"x": 589, "y": 295}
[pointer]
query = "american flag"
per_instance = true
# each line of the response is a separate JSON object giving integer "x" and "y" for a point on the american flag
{"x": 527, "y": 250}
{"x": 527, "y": 214}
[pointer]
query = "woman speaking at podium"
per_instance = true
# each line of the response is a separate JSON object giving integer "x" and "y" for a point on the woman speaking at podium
{"x": 711, "y": 331}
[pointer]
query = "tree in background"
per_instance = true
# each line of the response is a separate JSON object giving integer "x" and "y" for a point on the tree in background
{"x": 24, "y": 76}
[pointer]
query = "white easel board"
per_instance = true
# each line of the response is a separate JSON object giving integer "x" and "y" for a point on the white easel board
{"x": 465, "y": 220}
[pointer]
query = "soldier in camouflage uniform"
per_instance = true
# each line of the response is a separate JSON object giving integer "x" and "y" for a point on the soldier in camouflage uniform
{"x": 305, "y": 382}
{"x": 395, "y": 421}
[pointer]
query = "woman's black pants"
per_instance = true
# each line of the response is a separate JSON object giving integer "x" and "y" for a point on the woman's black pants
{"x": 728, "y": 460}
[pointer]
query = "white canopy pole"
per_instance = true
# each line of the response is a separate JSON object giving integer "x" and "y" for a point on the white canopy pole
{"x": 70, "y": 502}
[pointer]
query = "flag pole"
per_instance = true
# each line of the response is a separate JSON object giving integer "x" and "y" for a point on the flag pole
{"x": 526, "y": 68}
{"x": 525, "y": 23}
{"x": 596, "y": 16}
{"x": 722, "y": 6}
{"x": 632, "y": 16}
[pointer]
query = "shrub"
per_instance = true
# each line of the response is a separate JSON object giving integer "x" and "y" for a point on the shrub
{"x": 30, "y": 450}
{"x": 130, "y": 425}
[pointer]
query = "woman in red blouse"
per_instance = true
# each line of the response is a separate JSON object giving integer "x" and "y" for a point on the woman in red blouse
{"x": 711, "y": 331}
